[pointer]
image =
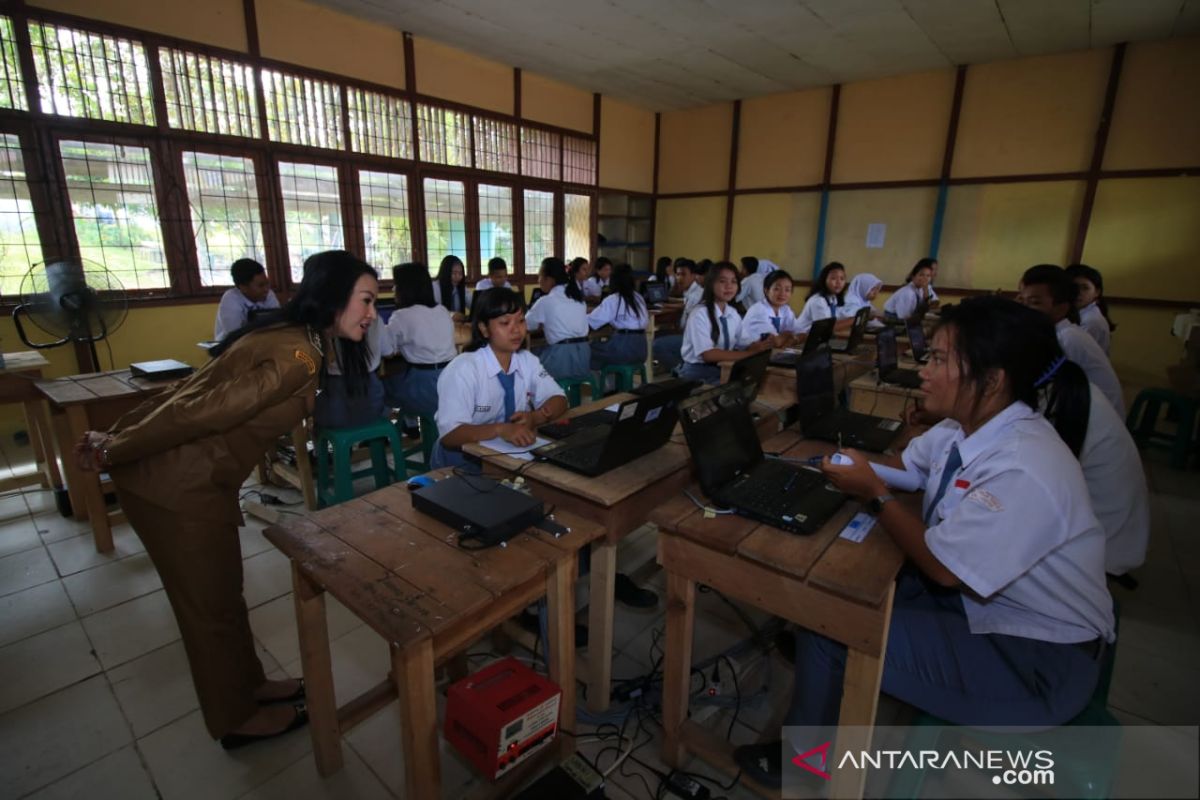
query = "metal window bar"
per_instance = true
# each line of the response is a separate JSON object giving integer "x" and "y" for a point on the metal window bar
{"x": 380, "y": 125}
{"x": 20, "y": 245}
{"x": 312, "y": 211}
{"x": 579, "y": 160}
{"x": 445, "y": 135}
{"x": 496, "y": 145}
{"x": 83, "y": 74}
{"x": 387, "y": 227}
{"x": 539, "y": 228}
{"x": 445, "y": 220}
{"x": 208, "y": 94}
{"x": 577, "y": 227}
{"x": 12, "y": 83}
{"x": 222, "y": 193}
{"x": 495, "y": 223}
{"x": 540, "y": 154}
{"x": 303, "y": 110}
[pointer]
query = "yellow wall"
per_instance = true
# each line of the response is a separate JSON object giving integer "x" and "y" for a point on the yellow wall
{"x": 908, "y": 214}
{"x": 779, "y": 144}
{"x": 779, "y": 227}
{"x": 1142, "y": 344}
{"x": 453, "y": 74}
{"x": 1156, "y": 121}
{"x": 626, "y": 146}
{"x": 693, "y": 227}
{"x": 304, "y": 33}
{"x": 215, "y": 22}
{"x": 554, "y": 102}
{"x": 693, "y": 150}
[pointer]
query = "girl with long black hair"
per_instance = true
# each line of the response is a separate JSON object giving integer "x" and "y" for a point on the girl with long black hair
{"x": 711, "y": 335}
{"x": 450, "y": 288}
{"x": 625, "y": 310}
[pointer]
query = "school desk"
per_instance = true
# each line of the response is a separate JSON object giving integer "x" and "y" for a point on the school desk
{"x": 870, "y": 396}
{"x": 17, "y": 377}
{"x": 92, "y": 402}
{"x": 821, "y": 582}
{"x": 620, "y": 501}
{"x": 402, "y": 573}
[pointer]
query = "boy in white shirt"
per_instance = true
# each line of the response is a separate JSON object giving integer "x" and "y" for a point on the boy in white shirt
{"x": 251, "y": 292}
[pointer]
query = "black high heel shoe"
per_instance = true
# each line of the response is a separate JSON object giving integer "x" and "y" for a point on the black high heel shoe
{"x": 294, "y": 697}
{"x": 232, "y": 741}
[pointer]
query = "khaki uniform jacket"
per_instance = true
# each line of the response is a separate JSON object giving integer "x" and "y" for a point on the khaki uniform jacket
{"x": 190, "y": 449}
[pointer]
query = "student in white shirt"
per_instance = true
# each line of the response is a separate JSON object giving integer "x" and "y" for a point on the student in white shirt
{"x": 667, "y": 346}
{"x": 916, "y": 296}
{"x": 495, "y": 389}
{"x": 712, "y": 329}
{"x": 757, "y": 271}
{"x": 863, "y": 290}
{"x": 450, "y": 288}
{"x": 826, "y": 298}
{"x": 497, "y": 277}
{"x": 663, "y": 271}
{"x": 772, "y": 316}
{"x": 563, "y": 314}
{"x": 625, "y": 310}
{"x": 421, "y": 331}
{"x": 601, "y": 275}
{"x": 580, "y": 269}
{"x": 251, "y": 292}
{"x": 1048, "y": 289}
{"x": 1093, "y": 310}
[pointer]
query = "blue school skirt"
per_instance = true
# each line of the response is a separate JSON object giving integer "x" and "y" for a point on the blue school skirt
{"x": 414, "y": 389}
{"x": 566, "y": 359}
{"x": 337, "y": 408}
{"x": 623, "y": 347}
{"x": 705, "y": 373}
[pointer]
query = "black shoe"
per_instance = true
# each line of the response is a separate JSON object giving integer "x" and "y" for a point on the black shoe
{"x": 632, "y": 595}
{"x": 291, "y": 698}
{"x": 761, "y": 762}
{"x": 410, "y": 431}
{"x": 232, "y": 741}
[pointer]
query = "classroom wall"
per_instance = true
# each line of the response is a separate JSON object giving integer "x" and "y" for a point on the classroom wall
{"x": 626, "y": 146}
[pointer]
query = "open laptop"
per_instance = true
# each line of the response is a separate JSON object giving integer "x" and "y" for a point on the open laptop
{"x": 887, "y": 359}
{"x": 916, "y": 338}
{"x": 850, "y": 344}
{"x": 750, "y": 371}
{"x": 822, "y": 418}
{"x": 642, "y": 425}
{"x": 818, "y": 336}
{"x": 655, "y": 293}
{"x": 735, "y": 474}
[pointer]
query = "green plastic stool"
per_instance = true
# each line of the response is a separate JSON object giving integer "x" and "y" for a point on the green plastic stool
{"x": 429, "y": 437}
{"x": 624, "y": 376}
{"x": 339, "y": 487}
{"x": 572, "y": 387}
{"x": 1143, "y": 418}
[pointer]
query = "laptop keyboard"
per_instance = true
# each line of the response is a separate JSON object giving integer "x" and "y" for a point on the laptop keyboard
{"x": 561, "y": 429}
{"x": 772, "y": 489}
{"x": 583, "y": 456}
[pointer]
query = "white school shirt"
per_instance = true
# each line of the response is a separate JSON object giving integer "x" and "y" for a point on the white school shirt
{"x": 1083, "y": 350}
{"x": 469, "y": 393}
{"x": 906, "y": 299}
{"x": 468, "y": 292}
{"x": 233, "y": 311}
{"x": 815, "y": 308}
{"x": 752, "y": 287}
{"x": 691, "y": 298}
{"x": 1093, "y": 321}
{"x": 758, "y": 321}
{"x": 1016, "y": 527}
{"x": 423, "y": 335}
{"x": 613, "y": 310}
{"x": 486, "y": 284}
{"x": 562, "y": 317}
{"x": 594, "y": 286}
{"x": 697, "y": 336}
{"x": 379, "y": 347}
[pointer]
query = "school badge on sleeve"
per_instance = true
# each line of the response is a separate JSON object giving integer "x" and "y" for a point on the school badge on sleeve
{"x": 307, "y": 360}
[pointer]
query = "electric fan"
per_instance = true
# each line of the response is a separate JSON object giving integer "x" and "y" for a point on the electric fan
{"x": 71, "y": 304}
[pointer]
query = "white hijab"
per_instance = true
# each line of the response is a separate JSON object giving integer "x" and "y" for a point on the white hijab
{"x": 861, "y": 286}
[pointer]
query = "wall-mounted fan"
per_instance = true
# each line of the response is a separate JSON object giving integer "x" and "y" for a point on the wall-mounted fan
{"x": 71, "y": 304}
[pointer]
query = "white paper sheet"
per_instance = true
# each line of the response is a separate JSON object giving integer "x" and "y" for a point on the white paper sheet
{"x": 516, "y": 451}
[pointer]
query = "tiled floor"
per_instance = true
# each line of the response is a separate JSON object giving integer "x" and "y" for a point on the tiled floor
{"x": 95, "y": 697}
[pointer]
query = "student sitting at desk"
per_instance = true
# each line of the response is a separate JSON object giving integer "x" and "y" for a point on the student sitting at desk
{"x": 916, "y": 296}
{"x": 663, "y": 271}
{"x": 450, "y": 289}
{"x": 497, "y": 277}
{"x": 601, "y": 275}
{"x": 251, "y": 292}
{"x": 561, "y": 311}
{"x": 771, "y": 316}
{"x": 580, "y": 269}
{"x": 753, "y": 290}
{"x": 179, "y": 459}
{"x": 712, "y": 329}
{"x": 1093, "y": 310}
{"x": 826, "y": 298}
{"x": 863, "y": 290}
{"x": 1005, "y": 616}
{"x": 423, "y": 332}
{"x": 494, "y": 389}
{"x": 625, "y": 310}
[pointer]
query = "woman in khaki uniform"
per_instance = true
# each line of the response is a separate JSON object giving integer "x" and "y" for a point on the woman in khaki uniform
{"x": 179, "y": 461}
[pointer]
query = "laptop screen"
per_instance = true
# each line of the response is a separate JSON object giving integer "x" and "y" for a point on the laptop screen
{"x": 861, "y": 318}
{"x": 916, "y": 337}
{"x": 814, "y": 386}
{"x": 751, "y": 371}
{"x": 720, "y": 435}
{"x": 885, "y": 344}
{"x": 656, "y": 292}
{"x": 818, "y": 335}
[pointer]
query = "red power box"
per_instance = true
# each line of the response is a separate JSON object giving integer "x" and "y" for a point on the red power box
{"x": 501, "y": 715}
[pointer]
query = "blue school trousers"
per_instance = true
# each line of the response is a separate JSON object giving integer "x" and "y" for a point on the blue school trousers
{"x": 414, "y": 390}
{"x": 566, "y": 359}
{"x": 623, "y": 347}
{"x": 705, "y": 373}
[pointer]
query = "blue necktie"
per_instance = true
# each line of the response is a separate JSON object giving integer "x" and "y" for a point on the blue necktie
{"x": 508, "y": 382}
{"x": 725, "y": 332}
{"x": 775, "y": 322}
{"x": 953, "y": 462}
{"x": 832, "y": 307}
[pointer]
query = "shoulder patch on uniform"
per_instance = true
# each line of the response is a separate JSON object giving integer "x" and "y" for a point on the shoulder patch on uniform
{"x": 986, "y": 499}
{"x": 307, "y": 360}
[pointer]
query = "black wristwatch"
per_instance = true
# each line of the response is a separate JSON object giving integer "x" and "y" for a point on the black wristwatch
{"x": 875, "y": 504}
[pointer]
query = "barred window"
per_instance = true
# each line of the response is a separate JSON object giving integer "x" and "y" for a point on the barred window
{"x": 386, "y": 226}
{"x": 226, "y": 222}
{"x": 20, "y": 247}
{"x": 379, "y": 124}
{"x": 495, "y": 223}
{"x": 111, "y": 189}
{"x": 302, "y": 110}
{"x": 445, "y": 220}
{"x": 445, "y": 135}
{"x": 495, "y": 145}
{"x": 577, "y": 213}
{"x": 209, "y": 94}
{"x": 12, "y": 84}
{"x": 540, "y": 154}
{"x": 539, "y": 229}
{"x": 579, "y": 160}
{"x": 83, "y": 74}
{"x": 312, "y": 211}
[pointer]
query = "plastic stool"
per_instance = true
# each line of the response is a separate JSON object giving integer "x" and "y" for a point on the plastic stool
{"x": 339, "y": 487}
{"x": 572, "y": 387}
{"x": 624, "y": 376}
{"x": 1143, "y": 417}
{"x": 429, "y": 437}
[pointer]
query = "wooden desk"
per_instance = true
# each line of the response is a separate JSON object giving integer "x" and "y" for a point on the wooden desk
{"x": 869, "y": 396}
{"x": 402, "y": 574}
{"x": 822, "y": 582}
{"x": 620, "y": 502}
{"x": 17, "y": 378}
{"x": 95, "y": 401}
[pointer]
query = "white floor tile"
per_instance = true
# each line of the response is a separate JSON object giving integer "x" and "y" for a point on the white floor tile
{"x": 117, "y": 776}
{"x": 252, "y": 540}
{"x": 79, "y": 552}
{"x": 108, "y": 585}
{"x": 42, "y": 664}
{"x": 12, "y": 506}
{"x": 34, "y": 610}
{"x": 274, "y": 625}
{"x": 54, "y": 527}
{"x": 155, "y": 689}
{"x": 300, "y": 781}
{"x": 18, "y": 535}
{"x": 22, "y": 570}
{"x": 40, "y": 501}
{"x": 59, "y": 734}
{"x": 266, "y": 576}
{"x": 131, "y": 629}
{"x": 1163, "y": 690}
{"x": 360, "y": 661}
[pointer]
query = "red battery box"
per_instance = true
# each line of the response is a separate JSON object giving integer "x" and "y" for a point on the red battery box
{"x": 501, "y": 715}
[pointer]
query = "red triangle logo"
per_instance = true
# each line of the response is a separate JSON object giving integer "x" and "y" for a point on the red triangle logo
{"x": 801, "y": 760}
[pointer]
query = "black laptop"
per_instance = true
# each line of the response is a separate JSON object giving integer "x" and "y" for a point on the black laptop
{"x": 887, "y": 360}
{"x": 818, "y": 336}
{"x": 750, "y": 371}
{"x": 822, "y": 418}
{"x": 655, "y": 293}
{"x": 641, "y": 426}
{"x": 734, "y": 473}
{"x": 916, "y": 338}
{"x": 850, "y": 344}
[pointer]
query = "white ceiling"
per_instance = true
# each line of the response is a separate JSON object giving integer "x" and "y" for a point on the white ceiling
{"x": 667, "y": 54}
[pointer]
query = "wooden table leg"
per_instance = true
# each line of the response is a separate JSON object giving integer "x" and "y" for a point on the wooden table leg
{"x": 317, "y": 665}
{"x": 412, "y": 670}
{"x": 677, "y": 668}
{"x": 860, "y": 700}
{"x": 560, "y": 647}
{"x": 649, "y": 350}
{"x": 89, "y": 486}
{"x": 39, "y": 430}
{"x": 304, "y": 466}
{"x": 600, "y": 623}
{"x": 71, "y": 472}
